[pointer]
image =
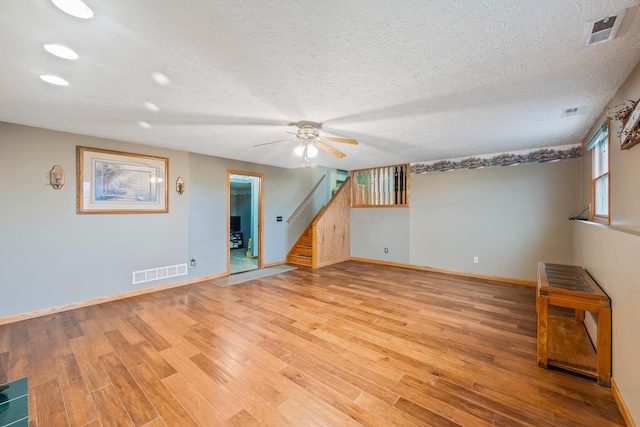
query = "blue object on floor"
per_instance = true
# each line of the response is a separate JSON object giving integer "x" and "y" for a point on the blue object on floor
{"x": 14, "y": 404}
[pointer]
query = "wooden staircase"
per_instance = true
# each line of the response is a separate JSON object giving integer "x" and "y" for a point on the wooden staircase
{"x": 327, "y": 239}
{"x": 302, "y": 251}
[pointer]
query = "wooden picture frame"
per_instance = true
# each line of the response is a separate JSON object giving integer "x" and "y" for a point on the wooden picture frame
{"x": 115, "y": 182}
{"x": 629, "y": 136}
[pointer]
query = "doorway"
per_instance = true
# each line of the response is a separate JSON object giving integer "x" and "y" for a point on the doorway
{"x": 244, "y": 221}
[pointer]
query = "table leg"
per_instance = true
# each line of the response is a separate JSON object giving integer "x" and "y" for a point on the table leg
{"x": 603, "y": 348}
{"x": 542, "y": 305}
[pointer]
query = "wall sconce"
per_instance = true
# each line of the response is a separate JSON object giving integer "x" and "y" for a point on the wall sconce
{"x": 56, "y": 177}
{"x": 192, "y": 263}
{"x": 180, "y": 185}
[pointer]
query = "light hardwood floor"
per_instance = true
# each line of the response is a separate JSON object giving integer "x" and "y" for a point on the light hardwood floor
{"x": 349, "y": 344}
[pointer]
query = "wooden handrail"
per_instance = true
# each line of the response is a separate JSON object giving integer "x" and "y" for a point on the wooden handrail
{"x": 345, "y": 184}
{"x": 304, "y": 202}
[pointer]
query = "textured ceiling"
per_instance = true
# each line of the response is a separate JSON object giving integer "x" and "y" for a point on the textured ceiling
{"x": 411, "y": 80}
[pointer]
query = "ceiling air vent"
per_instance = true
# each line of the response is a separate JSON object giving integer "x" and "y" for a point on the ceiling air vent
{"x": 603, "y": 29}
{"x": 574, "y": 111}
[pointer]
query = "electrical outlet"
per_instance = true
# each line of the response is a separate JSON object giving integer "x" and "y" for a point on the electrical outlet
{"x": 386, "y": 250}
{"x": 475, "y": 259}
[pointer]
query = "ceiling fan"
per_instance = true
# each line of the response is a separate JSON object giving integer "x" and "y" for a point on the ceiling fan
{"x": 309, "y": 140}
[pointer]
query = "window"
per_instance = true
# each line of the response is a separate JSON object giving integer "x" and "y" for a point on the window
{"x": 599, "y": 147}
{"x": 386, "y": 186}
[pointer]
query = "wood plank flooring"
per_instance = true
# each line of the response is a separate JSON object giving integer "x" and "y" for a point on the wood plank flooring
{"x": 347, "y": 345}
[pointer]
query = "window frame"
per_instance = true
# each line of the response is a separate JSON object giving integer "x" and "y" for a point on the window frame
{"x": 600, "y": 218}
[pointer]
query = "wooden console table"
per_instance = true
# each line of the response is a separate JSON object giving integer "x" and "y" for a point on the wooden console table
{"x": 563, "y": 340}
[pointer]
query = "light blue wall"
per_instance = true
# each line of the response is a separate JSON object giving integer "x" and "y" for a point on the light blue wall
{"x": 51, "y": 256}
{"x": 509, "y": 217}
{"x": 283, "y": 190}
{"x": 373, "y": 229}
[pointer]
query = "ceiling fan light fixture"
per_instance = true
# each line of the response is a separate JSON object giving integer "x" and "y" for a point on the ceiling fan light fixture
{"x": 312, "y": 151}
{"x": 308, "y": 141}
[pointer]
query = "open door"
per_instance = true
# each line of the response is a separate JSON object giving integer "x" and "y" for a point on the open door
{"x": 244, "y": 221}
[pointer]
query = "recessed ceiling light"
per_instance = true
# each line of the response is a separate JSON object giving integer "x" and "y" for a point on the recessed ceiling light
{"x": 160, "y": 78}
{"x": 60, "y": 51}
{"x": 144, "y": 125}
{"x": 75, "y": 8}
{"x": 54, "y": 80}
{"x": 151, "y": 106}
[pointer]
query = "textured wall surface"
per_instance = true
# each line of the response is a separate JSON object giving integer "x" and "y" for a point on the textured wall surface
{"x": 412, "y": 80}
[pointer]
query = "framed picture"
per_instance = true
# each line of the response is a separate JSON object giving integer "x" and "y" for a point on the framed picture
{"x": 630, "y": 136}
{"x": 116, "y": 182}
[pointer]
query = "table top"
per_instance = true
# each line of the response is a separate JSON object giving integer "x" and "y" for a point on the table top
{"x": 569, "y": 280}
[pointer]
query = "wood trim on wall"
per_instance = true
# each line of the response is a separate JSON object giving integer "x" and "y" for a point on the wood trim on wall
{"x": 72, "y": 306}
{"x": 314, "y": 246}
{"x": 333, "y": 261}
{"x": 621, "y": 405}
{"x": 444, "y": 271}
{"x": 260, "y": 177}
{"x": 273, "y": 264}
{"x": 228, "y": 249}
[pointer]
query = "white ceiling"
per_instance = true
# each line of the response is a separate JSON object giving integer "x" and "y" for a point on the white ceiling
{"x": 411, "y": 80}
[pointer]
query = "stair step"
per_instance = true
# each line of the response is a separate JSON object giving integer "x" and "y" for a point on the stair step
{"x": 299, "y": 259}
{"x": 307, "y": 241}
{"x": 302, "y": 250}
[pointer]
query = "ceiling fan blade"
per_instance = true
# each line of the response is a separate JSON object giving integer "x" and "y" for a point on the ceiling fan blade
{"x": 274, "y": 142}
{"x": 340, "y": 140}
{"x": 329, "y": 149}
